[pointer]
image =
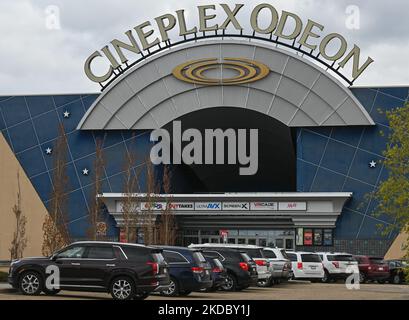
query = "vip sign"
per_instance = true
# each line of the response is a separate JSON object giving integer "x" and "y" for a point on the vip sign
{"x": 236, "y": 206}
{"x": 285, "y": 25}
{"x": 292, "y": 206}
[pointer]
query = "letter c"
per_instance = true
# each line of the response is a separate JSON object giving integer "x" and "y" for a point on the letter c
{"x": 90, "y": 74}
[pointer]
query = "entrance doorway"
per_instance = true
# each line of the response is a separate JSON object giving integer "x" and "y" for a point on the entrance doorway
{"x": 265, "y": 238}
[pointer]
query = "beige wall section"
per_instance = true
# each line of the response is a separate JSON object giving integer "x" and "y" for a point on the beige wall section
{"x": 396, "y": 251}
{"x": 32, "y": 206}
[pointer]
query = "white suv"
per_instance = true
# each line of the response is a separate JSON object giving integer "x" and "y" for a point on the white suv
{"x": 280, "y": 264}
{"x": 254, "y": 252}
{"x": 306, "y": 265}
{"x": 338, "y": 265}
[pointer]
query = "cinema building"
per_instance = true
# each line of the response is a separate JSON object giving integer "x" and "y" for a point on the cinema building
{"x": 320, "y": 139}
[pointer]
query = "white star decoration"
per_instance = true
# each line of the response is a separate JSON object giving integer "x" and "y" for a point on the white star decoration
{"x": 66, "y": 114}
{"x": 85, "y": 172}
{"x": 372, "y": 164}
{"x": 48, "y": 150}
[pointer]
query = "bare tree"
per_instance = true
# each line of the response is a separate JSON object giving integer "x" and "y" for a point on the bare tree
{"x": 130, "y": 203}
{"x": 55, "y": 230}
{"x": 19, "y": 242}
{"x": 167, "y": 222}
{"x": 95, "y": 217}
{"x": 148, "y": 215}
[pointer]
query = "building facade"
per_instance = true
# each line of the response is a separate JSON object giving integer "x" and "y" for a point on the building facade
{"x": 320, "y": 144}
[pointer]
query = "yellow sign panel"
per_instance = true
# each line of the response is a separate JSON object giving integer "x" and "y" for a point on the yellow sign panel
{"x": 247, "y": 71}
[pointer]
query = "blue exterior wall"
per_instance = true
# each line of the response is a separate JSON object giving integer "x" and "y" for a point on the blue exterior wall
{"x": 328, "y": 159}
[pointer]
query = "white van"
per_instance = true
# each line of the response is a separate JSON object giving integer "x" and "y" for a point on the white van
{"x": 306, "y": 265}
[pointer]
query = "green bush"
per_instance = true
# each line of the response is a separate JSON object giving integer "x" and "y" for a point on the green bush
{"x": 3, "y": 276}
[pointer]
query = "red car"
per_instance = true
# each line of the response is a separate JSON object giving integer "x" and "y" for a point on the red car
{"x": 372, "y": 268}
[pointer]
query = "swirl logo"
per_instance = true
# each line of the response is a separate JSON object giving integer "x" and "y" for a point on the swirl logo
{"x": 246, "y": 70}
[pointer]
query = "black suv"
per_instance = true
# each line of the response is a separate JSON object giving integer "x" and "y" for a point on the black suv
{"x": 241, "y": 269}
{"x": 126, "y": 271}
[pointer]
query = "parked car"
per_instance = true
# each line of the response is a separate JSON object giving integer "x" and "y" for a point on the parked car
{"x": 241, "y": 269}
{"x": 280, "y": 264}
{"x": 188, "y": 270}
{"x": 255, "y": 253}
{"x": 372, "y": 268}
{"x": 219, "y": 273}
{"x": 306, "y": 266}
{"x": 126, "y": 271}
{"x": 397, "y": 271}
{"x": 338, "y": 265}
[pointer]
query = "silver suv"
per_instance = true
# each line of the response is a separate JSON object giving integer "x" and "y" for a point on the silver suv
{"x": 280, "y": 264}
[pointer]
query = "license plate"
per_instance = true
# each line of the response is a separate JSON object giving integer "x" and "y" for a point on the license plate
{"x": 313, "y": 267}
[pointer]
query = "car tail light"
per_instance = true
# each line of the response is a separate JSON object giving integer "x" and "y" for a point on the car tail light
{"x": 336, "y": 264}
{"x": 369, "y": 268}
{"x": 244, "y": 266}
{"x": 197, "y": 269}
{"x": 155, "y": 267}
{"x": 261, "y": 263}
{"x": 299, "y": 265}
{"x": 217, "y": 270}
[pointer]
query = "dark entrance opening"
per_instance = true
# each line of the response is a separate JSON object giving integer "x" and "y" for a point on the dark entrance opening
{"x": 276, "y": 155}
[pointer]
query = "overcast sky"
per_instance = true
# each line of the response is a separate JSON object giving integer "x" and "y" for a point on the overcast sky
{"x": 37, "y": 59}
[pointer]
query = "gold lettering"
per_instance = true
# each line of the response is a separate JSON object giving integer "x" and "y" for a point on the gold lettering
{"x": 254, "y": 18}
{"x": 283, "y": 21}
{"x": 356, "y": 69}
{"x": 309, "y": 33}
{"x": 231, "y": 16}
{"x": 118, "y": 45}
{"x": 144, "y": 35}
{"x": 204, "y": 17}
{"x": 90, "y": 74}
{"x": 163, "y": 29}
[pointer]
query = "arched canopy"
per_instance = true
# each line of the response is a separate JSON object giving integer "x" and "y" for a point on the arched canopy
{"x": 296, "y": 92}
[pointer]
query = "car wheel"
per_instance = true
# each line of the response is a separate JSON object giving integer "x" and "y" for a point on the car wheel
{"x": 264, "y": 283}
{"x": 122, "y": 288}
{"x": 326, "y": 277}
{"x": 52, "y": 292}
{"x": 141, "y": 295}
{"x": 362, "y": 277}
{"x": 230, "y": 284}
{"x": 173, "y": 289}
{"x": 396, "y": 279}
{"x": 30, "y": 283}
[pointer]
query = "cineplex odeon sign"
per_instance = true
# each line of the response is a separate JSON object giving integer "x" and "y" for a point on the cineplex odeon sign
{"x": 281, "y": 28}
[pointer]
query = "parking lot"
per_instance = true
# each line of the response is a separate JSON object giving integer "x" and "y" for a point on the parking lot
{"x": 294, "y": 290}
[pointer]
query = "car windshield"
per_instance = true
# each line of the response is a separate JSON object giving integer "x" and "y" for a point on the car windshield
{"x": 198, "y": 256}
{"x": 376, "y": 260}
{"x": 269, "y": 254}
{"x": 339, "y": 257}
{"x": 245, "y": 256}
{"x": 284, "y": 254}
{"x": 255, "y": 253}
{"x": 292, "y": 256}
{"x": 310, "y": 258}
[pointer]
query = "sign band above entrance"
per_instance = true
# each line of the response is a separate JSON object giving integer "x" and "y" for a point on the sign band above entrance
{"x": 286, "y": 29}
